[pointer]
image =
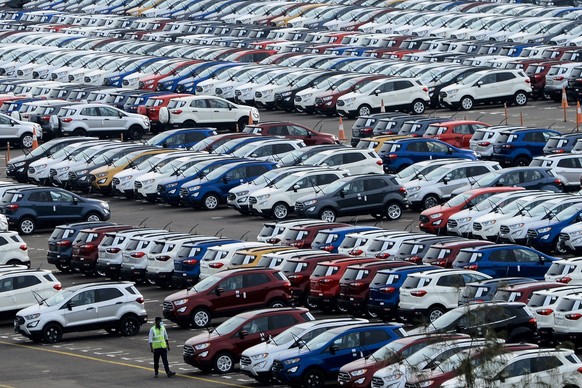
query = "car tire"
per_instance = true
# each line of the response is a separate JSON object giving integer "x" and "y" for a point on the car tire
{"x": 394, "y": 210}
{"x": 242, "y": 123}
{"x": 200, "y": 318}
{"x": 418, "y": 107}
{"x": 26, "y": 140}
{"x": 93, "y": 217}
{"x": 135, "y": 132}
{"x": 521, "y": 161}
{"x": 430, "y": 200}
{"x": 211, "y": 202}
{"x": 520, "y": 98}
{"x": 467, "y": 103}
{"x": 328, "y": 215}
{"x": 224, "y": 363}
{"x": 434, "y": 313}
{"x": 164, "y": 115}
{"x": 364, "y": 110}
{"x": 14, "y": 262}
{"x": 280, "y": 211}
{"x": 63, "y": 268}
{"x": 79, "y": 132}
{"x": 277, "y": 303}
{"x": 52, "y": 333}
{"x": 129, "y": 326}
{"x": 26, "y": 225}
{"x": 313, "y": 378}
{"x": 370, "y": 313}
{"x": 189, "y": 124}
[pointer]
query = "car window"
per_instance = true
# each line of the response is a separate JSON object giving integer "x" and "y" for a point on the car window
{"x": 372, "y": 337}
{"x": 218, "y": 104}
{"x": 40, "y": 196}
{"x": 529, "y": 176}
{"x": 505, "y": 76}
{"x": 279, "y": 130}
{"x": 257, "y": 325}
{"x": 283, "y": 320}
{"x": 451, "y": 281}
{"x": 232, "y": 283}
{"x": 386, "y": 87}
{"x": 347, "y": 341}
{"x": 502, "y": 255}
{"x": 297, "y": 131}
{"x": 509, "y": 179}
{"x": 488, "y": 79}
{"x": 353, "y": 157}
{"x": 325, "y": 179}
{"x": 255, "y": 280}
{"x": 60, "y": 196}
{"x": 418, "y": 146}
{"x": 543, "y": 363}
{"x": 569, "y": 163}
{"x": 458, "y": 173}
{"x": 404, "y": 84}
{"x": 354, "y": 187}
{"x": 201, "y": 103}
{"x": 105, "y": 294}
{"x": 523, "y": 255}
{"x": 83, "y": 298}
{"x": 3, "y": 241}
{"x": 281, "y": 148}
{"x": 476, "y": 170}
{"x": 25, "y": 281}
{"x": 106, "y": 111}
{"x": 515, "y": 369}
{"x": 374, "y": 184}
{"x": 255, "y": 170}
{"x": 236, "y": 173}
{"x": 92, "y": 111}
{"x": 437, "y": 147}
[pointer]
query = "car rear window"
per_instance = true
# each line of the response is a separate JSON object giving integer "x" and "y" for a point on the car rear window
{"x": 355, "y": 274}
{"x": 385, "y": 278}
{"x": 507, "y": 296}
{"x": 325, "y": 270}
{"x": 436, "y": 253}
{"x": 561, "y": 269}
{"x": 296, "y": 234}
{"x": 416, "y": 282}
{"x": 293, "y": 267}
{"x": 538, "y": 300}
{"x": 64, "y": 112}
{"x": 569, "y": 305}
{"x": 280, "y": 275}
{"x": 16, "y": 238}
{"x": 468, "y": 257}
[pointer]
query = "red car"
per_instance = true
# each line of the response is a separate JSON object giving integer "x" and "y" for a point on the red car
{"x": 537, "y": 72}
{"x": 443, "y": 254}
{"x": 434, "y": 219}
{"x": 303, "y": 236}
{"x": 291, "y": 131}
{"x": 152, "y": 109}
{"x": 324, "y": 286}
{"x": 522, "y": 292}
{"x": 456, "y": 133}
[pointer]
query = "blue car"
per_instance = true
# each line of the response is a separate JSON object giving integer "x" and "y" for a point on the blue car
{"x": 385, "y": 289}
{"x": 187, "y": 261}
{"x": 233, "y": 144}
{"x": 181, "y": 138}
{"x": 211, "y": 191}
{"x": 320, "y": 359}
{"x": 171, "y": 83}
{"x": 519, "y": 146}
{"x": 188, "y": 85}
{"x": 132, "y": 106}
{"x": 116, "y": 80}
{"x": 484, "y": 291}
{"x": 503, "y": 260}
{"x": 399, "y": 154}
{"x": 330, "y": 239}
{"x": 544, "y": 234}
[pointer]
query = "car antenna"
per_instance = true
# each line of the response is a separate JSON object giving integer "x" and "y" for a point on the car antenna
{"x": 218, "y": 231}
{"x": 244, "y": 235}
{"x": 431, "y": 113}
{"x": 168, "y": 224}
{"x": 193, "y": 228}
{"x": 551, "y": 125}
{"x": 143, "y": 222}
{"x": 478, "y": 117}
{"x": 318, "y": 125}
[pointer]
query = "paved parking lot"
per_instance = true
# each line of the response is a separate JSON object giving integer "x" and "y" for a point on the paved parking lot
{"x": 92, "y": 359}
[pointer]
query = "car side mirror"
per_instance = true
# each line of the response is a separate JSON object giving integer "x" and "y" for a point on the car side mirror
{"x": 450, "y": 150}
{"x": 254, "y": 155}
{"x": 218, "y": 291}
{"x": 70, "y": 305}
{"x": 479, "y": 84}
{"x": 377, "y": 91}
{"x": 75, "y": 200}
{"x": 225, "y": 179}
{"x": 296, "y": 187}
{"x": 12, "y": 122}
{"x": 333, "y": 349}
{"x": 342, "y": 193}
{"x": 503, "y": 376}
{"x": 165, "y": 144}
{"x": 120, "y": 115}
{"x": 446, "y": 180}
{"x": 242, "y": 334}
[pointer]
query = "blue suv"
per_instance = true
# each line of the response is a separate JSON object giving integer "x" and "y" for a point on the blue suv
{"x": 519, "y": 146}
{"x": 399, "y": 154}
{"x": 181, "y": 138}
{"x": 546, "y": 232}
{"x": 209, "y": 192}
{"x": 385, "y": 289}
{"x": 501, "y": 260}
{"x": 330, "y": 239}
{"x": 320, "y": 359}
{"x": 484, "y": 291}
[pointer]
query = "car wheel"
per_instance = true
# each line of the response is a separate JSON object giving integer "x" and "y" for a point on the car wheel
{"x": 224, "y": 363}
{"x": 189, "y": 124}
{"x": 92, "y": 217}
{"x": 211, "y": 202}
{"x": 79, "y": 132}
{"x": 370, "y": 313}
{"x": 129, "y": 326}
{"x": 135, "y": 132}
{"x": 327, "y": 215}
{"x": 560, "y": 249}
{"x": 280, "y": 211}
{"x": 340, "y": 308}
{"x": 520, "y": 98}
{"x": 63, "y": 268}
{"x": 52, "y": 333}
{"x": 277, "y": 303}
{"x": 200, "y": 318}
{"x": 26, "y": 140}
{"x": 313, "y": 378}
{"x": 242, "y": 123}
{"x": 418, "y": 107}
{"x": 521, "y": 162}
{"x": 310, "y": 305}
{"x": 394, "y": 211}
{"x": 364, "y": 110}
{"x": 435, "y": 313}
{"x": 26, "y": 225}
{"x": 467, "y": 103}
{"x": 430, "y": 200}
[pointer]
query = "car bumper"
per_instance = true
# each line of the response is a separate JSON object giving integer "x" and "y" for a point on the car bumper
{"x": 133, "y": 273}
{"x": 382, "y": 309}
{"x": 83, "y": 266}
{"x": 184, "y": 279}
{"x": 159, "y": 277}
{"x": 110, "y": 270}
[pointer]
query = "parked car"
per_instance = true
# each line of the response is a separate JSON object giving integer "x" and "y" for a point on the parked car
{"x": 563, "y": 143}
{"x": 21, "y": 287}
{"x": 355, "y": 160}
{"x": 484, "y": 291}
{"x": 566, "y": 167}
{"x": 519, "y": 146}
{"x": 292, "y": 131}
{"x": 182, "y": 138}
{"x": 456, "y": 133}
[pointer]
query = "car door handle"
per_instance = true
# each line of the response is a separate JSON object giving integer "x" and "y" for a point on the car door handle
{"x": 195, "y": 111}
{"x": 119, "y": 303}
{"x": 105, "y": 119}
{"x": 216, "y": 111}
{"x": 85, "y": 119}
{"x": 90, "y": 308}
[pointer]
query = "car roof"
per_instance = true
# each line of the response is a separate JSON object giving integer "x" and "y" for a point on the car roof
{"x": 99, "y": 284}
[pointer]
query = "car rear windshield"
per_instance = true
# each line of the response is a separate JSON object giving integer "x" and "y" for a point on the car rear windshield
{"x": 561, "y": 269}
{"x": 416, "y": 282}
{"x": 482, "y": 135}
{"x": 389, "y": 147}
{"x": 325, "y": 238}
{"x": 435, "y": 253}
{"x": 324, "y": 270}
{"x": 385, "y": 278}
{"x": 60, "y": 233}
{"x": 293, "y": 267}
{"x": 296, "y": 234}
{"x": 569, "y": 305}
{"x": 409, "y": 248}
{"x": 380, "y": 245}
{"x": 154, "y": 102}
{"x": 465, "y": 257}
{"x": 64, "y": 112}
{"x": 474, "y": 291}
{"x": 540, "y": 300}
{"x": 355, "y": 274}
{"x": 506, "y": 138}
{"x": 11, "y": 197}
{"x": 507, "y": 296}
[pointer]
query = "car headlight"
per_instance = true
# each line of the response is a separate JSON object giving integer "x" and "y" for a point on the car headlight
{"x": 82, "y": 172}
{"x": 310, "y": 202}
{"x": 576, "y": 233}
{"x": 241, "y": 193}
{"x": 101, "y": 175}
{"x": 328, "y": 98}
{"x": 180, "y": 302}
{"x": 31, "y": 316}
{"x": 308, "y": 95}
{"x": 263, "y": 197}
{"x": 545, "y": 230}
{"x": 41, "y": 166}
{"x": 202, "y": 346}
{"x": 452, "y": 91}
{"x": 260, "y": 356}
{"x": 515, "y": 226}
{"x": 268, "y": 91}
{"x": 436, "y": 215}
{"x": 426, "y": 383}
{"x": 105, "y": 204}
{"x": 358, "y": 372}
{"x": 413, "y": 189}
{"x": 194, "y": 188}
{"x": 286, "y": 94}
{"x": 63, "y": 169}
{"x": 126, "y": 178}
{"x": 487, "y": 223}
{"x": 292, "y": 361}
{"x": 148, "y": 181}
{"x": 19, "y": 164}
{"x": 349, "y": 100}
{"x": 170, "y": 185}
{"x": 464, "y": 220}
{"x": 246, "y": 90}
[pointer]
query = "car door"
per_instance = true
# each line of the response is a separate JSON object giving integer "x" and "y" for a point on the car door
{"x": 437, "y": 150}
{"x": 450, "y": 287}
{"x": 514, "y": 374}
{"x": 67, "y": 207}
{"x": 200, "y": 110}
{"x": 402, "y": 93}
{"x": 7, "y": 294}
{"x": 530, "y": 263}
{"x": 461, "y": 135}
{"x": 24, "y": 285}
{"x": 8, "y": 131}
{"x": 234, "y": 177}
{"x": 569, "y": 168}
{"x": 536, "y": 140}
{"x": 255, "y": 286}
{"x": 80, "y": 310}
{"x": 350, "y": 198}
{"x": 384, "y": 93}
{"x": 42, "y": 202}
{"x": 109, "y": 302}
{"x": 296, "y": 132}
{"x": 91, "y": 118}
{"x": 486, "y": 88}
{"x": 344, "y": 349}
{"x": 250, "y": 334}
{"x": 505, "y": 83}
{"x": 230, "y": 296}
{"x": 375, "y": 188}
{"x": 112, "y": 122}
{"x": 456, "y": 178}
{"x": 222, "y": 112}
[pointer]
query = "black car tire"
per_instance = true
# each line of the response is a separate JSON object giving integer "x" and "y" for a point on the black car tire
{"x": 63, "y": 268}
{"x": 26, "y": 140}
{"x": 394, "y": 210}
{"x": 129, "y": 326}
{"x": 418, "y": 107}
{"x": 26, "y": 225}
{"x": 277, "y": 303}
{"x": 211, "y": 201}
{"x": 135, "y": 132}
{"x": 200, "y": 318}
{"x": 224, "y": 362}
{"x": 313, "y": 378}
{"x": 52, "y": 333}
{"x": 242, "y": 123}
{"x": 79, "y": 132}
{"x": 430, "y": 200}
{"x": 434, "y": 313}
{"x": 189, "y": 124}
{"x": 93, "y": 217}
{"x": 280, "y": 211}
{"x": 328, "y": 215}
{"x": 521, "y": 161}
{"x": 466, "y": 103}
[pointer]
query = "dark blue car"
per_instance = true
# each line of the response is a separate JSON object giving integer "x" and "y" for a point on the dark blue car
{"x": 483, "y": 291}
{"x": 546, "y": 232}
{"x": 189, "y": 72}
{"x": 519, "y": 146}
{"x": 330, "y": 239}
{"x": 116, "y": 80}
{"x": 399, "y": 154}
{"x": 188, "y": 84}
{"x": 503, "y": 260}
{"x": 181, "y": 138}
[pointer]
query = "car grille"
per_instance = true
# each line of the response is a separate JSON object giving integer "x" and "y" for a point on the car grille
{"x": 71, "y": 78}
{"x": 19, "y": 320}
{"x": 218, "y": 91}
{"x": 87, "y": 79}
{"x": 532, "y": 233}
{"x": 184, "y": 193}
{"x": 137, "y": 185}
{"x": 160, "y": 189}
{"x": 231, "y": 197}
{"x": 504, "y": 229}
{"x": 31, "y": 170}
{"x": 237, "y": 93}
{"x": 277, "y": 366}
{"x": 71, "y": 176}
{"x": 252, "y": 200}
{"x": 115, "y": 181}
{"x": 244, "y": 360}
{"x": 477, "y": 226}
{"x": 377, "y": 382}
{"x": 452, "y": 224}
{"x": 258, "y": 94}
{"x": 423, "y": 219}
{"x": 298, "y": 206}
{"x": 343, "y": 377}
{"x": 564, "y": 237}
{"x": 442, "y": 94}
{"x": 340, "y": 103}
{"x": 20, "y": 73}
{"x": 188, "y": 351}
{"x": 199, "y": 89}
{"x": 35, "y": 74}
{"x": 298, "y": 98}
{"x": 318, "y": 101}
{"x": 168, "y": 306}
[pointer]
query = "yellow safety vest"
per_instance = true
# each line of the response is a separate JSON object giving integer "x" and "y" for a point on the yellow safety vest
{"x": 159, "y": 339}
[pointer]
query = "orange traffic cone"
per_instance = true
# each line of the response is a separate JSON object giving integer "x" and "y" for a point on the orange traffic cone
{"x": 578, "y": 115}
{"x": 382, "y": 107}
{"x": 341, "y": 131}
{"x": 250, "y": 118}
{"x": 564, "y": 99}
{"x": 34, "y": 139}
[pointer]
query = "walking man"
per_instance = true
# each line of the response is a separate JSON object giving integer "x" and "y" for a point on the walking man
{"x": 159, "y": 345}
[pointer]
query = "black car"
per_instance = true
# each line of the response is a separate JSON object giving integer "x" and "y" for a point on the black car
{"x": 392, "y": 125}
{"x": 27, "y": 209}
{"x": 417, "y": 127}
{"x": 17, "y": 167}
{"x": 378, "y": 195}
{"x": 364, "y": 125}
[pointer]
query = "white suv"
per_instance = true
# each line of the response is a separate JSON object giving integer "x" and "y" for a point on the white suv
{"x": 567, "y": 271}
{"x": 499, "y": 85}
{"x": 355, "y": 160}
{"x": 216, "y": 258}
{"x": 571, "y": 238}
{"x": 567, "y": 167}
{"x": 17, "y": 131}
{"x": 269, "y": 149}
{"x": 276, "y": 231}
{"x": 115, "y": 307}
{"x": 543, "y": 303}
{"x": 207, "y": 110}
{"x": 20, "y": 288}
{"x": 567, "y": 322}
{"x": 432, "y": 293}
{"x": 276, "y": 201}
{"x": 13, "y": 249}
{"x": 483, "y": 139}
{"x": 394, "y": 93}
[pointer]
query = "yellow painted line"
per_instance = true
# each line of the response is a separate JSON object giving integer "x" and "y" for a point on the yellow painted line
{"x": 149, "y": 369}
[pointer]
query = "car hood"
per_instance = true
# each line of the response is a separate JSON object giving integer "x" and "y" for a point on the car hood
{"x": 573, "y": 228}
{"x": 520, "y": 219}
{"x": 541, "y": 224}
{"x": 351, "y": 95}
{"x": 264, "y": 347}
{"x": 150, "y": 175}
{"x": 130, "y": 171}
{"x": 35, "y": 308}
{"x": 436, "y": 209}
{"x": 201, "y": 338}
{"x": 289, "y": 353}
{"x": 468, "y": 213}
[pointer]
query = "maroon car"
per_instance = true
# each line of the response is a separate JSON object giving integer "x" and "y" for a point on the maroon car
{"x": 443, "y": 254}
{"x": 303, "y": 236}
{"x": 291, "y": 131}
{"x": 220, "y": 349}
{"x": 522, "y": 292}
{"x": 326, "y": 104}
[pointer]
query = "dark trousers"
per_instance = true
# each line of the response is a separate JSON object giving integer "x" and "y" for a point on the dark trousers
{"x": 163, "y": 352}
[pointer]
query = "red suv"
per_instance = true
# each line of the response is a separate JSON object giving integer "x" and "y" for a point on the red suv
{"x": 303, "y": 236}
{"x": 85, "y": 253}
{"x": 443, "y": 254}
{"x": 298, "y": 272}
{"x": 324, "y": 286}
{"x": 354, "y": 285}
{"x": 221, "y": 348}
{"x": 291, "y": 131}
{"x": 226, "y": 293}
{"x": 152, "y": 109}
{"x": 456, "y": 133}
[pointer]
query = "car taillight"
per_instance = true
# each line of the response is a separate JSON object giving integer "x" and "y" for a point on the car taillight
{"x": 328, "y": 248}
{"x": 356, "y": 252}
{"x": 45, "y": 118}
{"x": 12, "y": 206}
{"x": 440, "y": 263}
{"x": 565, "y": 279}
{"x": 295, "y": 278}
{"x": 573, "y": 317}
{"x": 507, "y": 146}
{"x": 527, "y": 81}
{"x": 357, "y": 284}
{"x": 176, "y": 111}
{"x": 471, "y": 267}
{"x": 112, "y": 250}
{"x": 414, "y": 259}
{"x": 274, "y": 240}
{"x": 532, "y": 321}
{"x": 392, "y": 156}
{"x": 402, "y": 189}
{"x": 287, "y": 284}
{"x": 64, "y": 243}
{"x": 379, "y": 162}
{"x": 190, "y": 262}
{"x": 87, "y": 247}
{"x": 139, "y": 300}
{"x": 484, "y": 143}
{"x": 544, "y": 311}
{"x": 58, "y": 287}
{"x": 559, "y": 78}
{"x": 579, "y": 370}
{"x": 387, "y": 290}
{"x": 382, "y": 255}
{"x": 419, "y": 293}
{"x": 215, "y": 265}
{"x": 163, "y": 258}
{"x": 558, "y": 151}
{"x": 366, "y": 130}
{"x": 557, "y": 181}
{"x": 23, "y": 247}
{"x": 137, "y": 255}
{"x": 425, "y": 89}
{"x": 324, "y": 281}
{"x": 66, "y": 120}
{"x": 297, "y": 244}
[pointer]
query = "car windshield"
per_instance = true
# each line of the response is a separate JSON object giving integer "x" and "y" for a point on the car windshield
{"x": 314, "y": 160}
{"x": 126, "y": 160}
{"x": 388, "y": 351}
{"x": 370, "y": 87}
{"x": 437, "y": 173}
{"x": 567, "y": 213}
{"x": 470, "y": 79}
{"x": 270, "y": 177}
{"x": 333, "y": 187}
{"x": 219, "y": 172}
{"x": 321, "y": 340}
{"x": 59, "y": 297}
{"x": 229, "y": 325}
{"x": 207, "y": 283}
{"x": 488, "y": 179}
{"x": 447, "y": 319}
{"x": 287, "y": 336}
{"x": 457, "y": 200}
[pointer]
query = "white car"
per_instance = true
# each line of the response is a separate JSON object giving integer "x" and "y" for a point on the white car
{"x": 497, "y": 85}
{"x": 414, "y": 171}
{"x": 395, "y": 93}
{"x": 265, "y": 95}
{"x": 356, "y": 244}
{"x": 568, "y": 167}
{"x": 355, "y": 160}
{"x": 384, "y": 247}
{"x": 216, "y": 258}
{"x": 13, "y": 249}
{"x": 245, "y": 93}
{"x": 19, "y": 132}
{"x": 567, "y": 271}
{"x": 483, "y": 139}
{"x": 571, "y": 238}
{"x": 278, "y": 259}
{"x": 274, "y": 232}
{"x": 543, "y": 303}
{"x": 20, "y": 288}
{"x": 226, "y": 87}
{"x": 269, "y": 149}
{"x": 305, "y": 99}
{"x": 278, "y": 200}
